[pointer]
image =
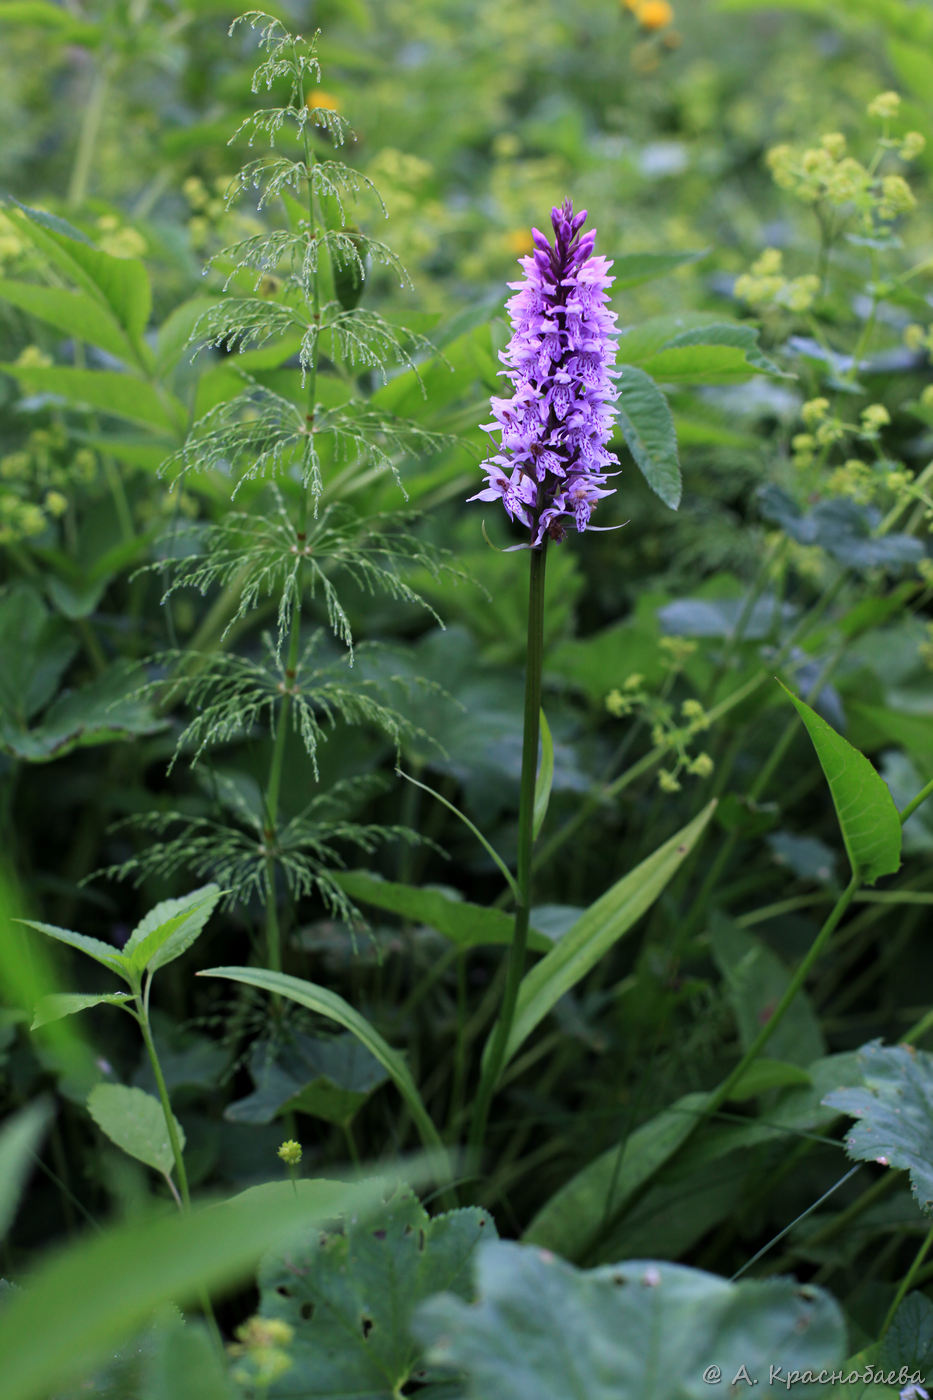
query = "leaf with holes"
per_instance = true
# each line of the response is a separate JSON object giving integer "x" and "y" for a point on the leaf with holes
{"x": 349, "y": 1292}
{"x": 545, "y": 1329}
{"x": 894, "y": 1106}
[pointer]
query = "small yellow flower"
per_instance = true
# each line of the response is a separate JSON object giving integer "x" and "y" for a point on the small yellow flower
{"x": 835, "y": 143}
{"x": 875, "y": 417}
{"x": 616, "y": 704}
{"x": 667, "y": 781}
{"x": 55, "y": 503}
{"x": 633, "y": 682}
{"x": 33, "y": 358}
{"x": 692, "y": 709}
{"x": 322, "y": 101}
{"x": 654, "y": 14}
{"x": 814, "y": 410}
{"x": 912, "y": 145}
{"x": 290, "y": 1152}
{"x": 915, "y": 336}
{"x": 926, "y": 398}
{"x": 702, "y": 766}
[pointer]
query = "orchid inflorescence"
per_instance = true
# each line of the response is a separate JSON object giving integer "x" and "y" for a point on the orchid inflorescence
{"x": 549, "y": 470}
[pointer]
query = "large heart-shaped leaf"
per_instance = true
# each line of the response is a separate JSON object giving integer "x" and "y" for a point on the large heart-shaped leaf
{"x": 349, "y": 1293}
{"x": 633, "y": 1331}
{"x": 894, "y": 1106}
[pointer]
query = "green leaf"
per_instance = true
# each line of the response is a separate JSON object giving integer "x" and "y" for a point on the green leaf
{"x": 60, "y": 1004}
{"x": 349, "y": 1294}
{"x": 909, "y": 1340}
{"x": 134, "y": 1121}
{"x": 868, "y": 818}
{"x": 894, "y": 1106}
{"x": 19, "y": 1140}
{"x": 329, "y": 1004}
{"x": 119, "y": 284}
{"x": 712, "y": 354}
{"x": 184, "y": 1365}
{"x": 329, "y": 1079}
{"x": 578, "y": 1212}
{"x": 75, "y": 313}
{"x": 648, "y": 428}
{"x": 93, "y": 947}
{"x": 755, "y": 979}
{"x": 106, "y": 710}
{"x": 43, "y": 14}
{"x": 594, "y": 933}
{"x": 543, "y": 1328}
{"x": 91, "y": 1296}
{"x": 35, "y": 651}
{"x": 120, "y": 395}
{"x": 764, "y": 1075}
{"x": 544, "y": 777}
{"x": 632, "y": 269}
{"x": 170, "y": 928}
{"x": 468, "y": 925}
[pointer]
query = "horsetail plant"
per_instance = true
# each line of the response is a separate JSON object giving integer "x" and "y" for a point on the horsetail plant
{"x": 295, "y": 290}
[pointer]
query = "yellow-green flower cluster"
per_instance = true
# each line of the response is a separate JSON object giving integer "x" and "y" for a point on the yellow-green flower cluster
{"x": 826, "y": 175}
{"x": 765, "y": 285}
{"x": 260, "y": 1345}
{"x": 119, "y": 240}
{"x": 35, "y": 482}
{"x": 670, "y": 731}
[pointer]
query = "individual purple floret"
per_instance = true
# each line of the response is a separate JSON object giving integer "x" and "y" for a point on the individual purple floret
{"x": 549, "y": 470}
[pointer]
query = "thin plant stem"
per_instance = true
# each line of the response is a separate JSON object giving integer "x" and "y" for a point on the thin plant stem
{"x": 906, "y": 1282}
{"x": 143, "y": 1019}
{"x": 516, "y": 957}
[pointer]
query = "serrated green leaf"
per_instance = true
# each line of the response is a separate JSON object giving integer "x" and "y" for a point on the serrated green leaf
{"x": 93, "y": 947}
{"x": 647, "y": 425}
{"x": 119, "y": 395}
{"x": 329, "y": 1004}
{"x": 868, "y": 818}
{"x": 106, "y": 710}
{"x": 908, "y": 1341}
{"x": 595, "y": 932}
{"x": 93, "y": 1295}
{"x": 35, "y": 651}
{"x": 894, "y": 1106}
{"x": 20, "y": 1137}
{"x": 468, "y": 925}
{"x": 170, "y": 928}
{"x": 134, "y": 1121}
{"x": 60, "y": 1004}
{"x": 75, "y": 313}
{"x": 544, "y": 778}
{"x": 722, "y": 352}
{"x": 545, "y": 1329}
{"x": 349, "y": 1294}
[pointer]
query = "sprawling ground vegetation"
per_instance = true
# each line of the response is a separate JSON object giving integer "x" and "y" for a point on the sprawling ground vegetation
{"x": 465, "y": 699}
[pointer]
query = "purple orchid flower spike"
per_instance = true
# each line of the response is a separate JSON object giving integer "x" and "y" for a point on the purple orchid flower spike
{"x": 550, "y": 467}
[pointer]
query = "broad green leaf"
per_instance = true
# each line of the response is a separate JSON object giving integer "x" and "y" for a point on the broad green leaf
{"x": 595, "y": 932}
{"x": 634, "y": 1331}
{"x": 329, "y": 1079}
{"x": 75, "y": 313}
{"x": 647, "y": 425}
{"x": 544, "y": 777}
{"x": 106, "y": 710}
{"x": 93, "y": 1295}
{"x": 184, "y": 1365}
{"x": 909, "y": 1340}
{"x": 35, "y": 651}
{"x": 60, "y": 1004}
{"x": 468, "y": 925}
{"x": 868, "y": 818}
{"x": 43, "y": 14}
{"x": 578, "y": 1212}
{"x": 894, "y": 1107}
{"x": 764, "y": 1075}
{"x": 20, "y": 1137}
{"x": 329, "y": 1004}
{"x": 755, "y": 979}
{"x": 93, "y": 947}
{"x": 631, "y": 269}
{"x": 119, "y": 284}
{"x": 349, "y": 1294}
{"x": 134, "y": 1121}
{"x": 712, "y": 354}
{"x": 121, "y": 395}
{"x": 170, "y": 928}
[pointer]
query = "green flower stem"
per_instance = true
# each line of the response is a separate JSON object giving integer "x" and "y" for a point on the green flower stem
{"x": 516, "y": 957}
{"x": 143, "y": 1018}
{"x": 87, "y": 136}
{"x": 912, "y": 806}
{"x": 720, "y": 1095}
{"x": 906, "y": 1282}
